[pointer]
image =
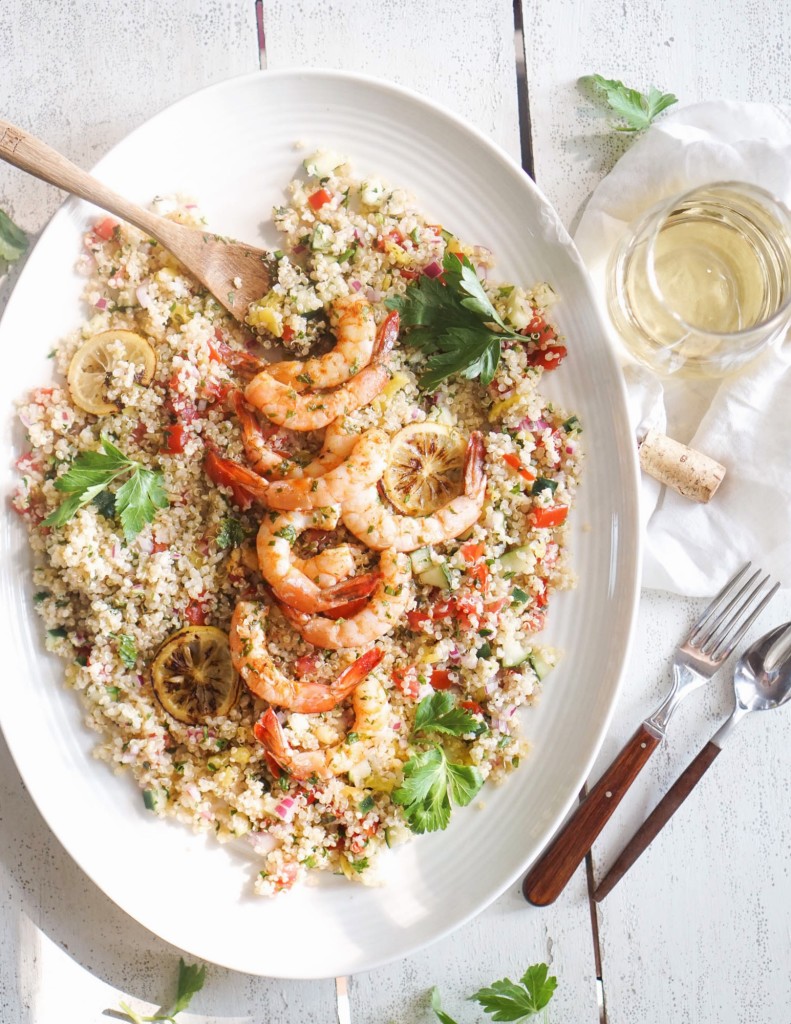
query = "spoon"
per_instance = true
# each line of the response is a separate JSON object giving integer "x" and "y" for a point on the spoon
{"x": 761, "y": 681}
{"x": 235, "y": 274}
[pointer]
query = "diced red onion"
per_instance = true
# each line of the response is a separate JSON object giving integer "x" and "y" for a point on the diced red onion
{"x": 201, "y": 404}
{"x": 454, "y": 654}
{"x": 356, "y": 285}
{"x": 373, "y": 294}
{"x": 286, "y": 809}
{"x": 115, "y": 551}
{"x": 299, "y": 249}
{"x": 25, "y": 420}
{"x": 396, "y": 726}
{"x": 101, "y": 303}
{"x": 534, "y": 426}
{"x": 190, "y": 206}
{"x": 434, "y": 269}
{"x": 140, "y": 679}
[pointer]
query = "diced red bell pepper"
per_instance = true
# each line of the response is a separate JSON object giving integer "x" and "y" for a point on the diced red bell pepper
{"x": 479, "y": 573}
{"x": 416, "y": 620}
{"x": 175, "y": 436}
{"x": 195, "y": 613}
{"x": 406, "y": 680}
{"x": 516, "y": 463}
{"x": 319, "y": 199}
{"x": 472, "y": 552}
{"x": 544, "y": 518}
{"x": 441, "y": 679}
{"x": 105, "y": 228}
{"x": 493, "y": 607}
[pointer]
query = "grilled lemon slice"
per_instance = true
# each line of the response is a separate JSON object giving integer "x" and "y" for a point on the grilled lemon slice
{"x": 92, "y": 364}
{"x": 425, "y": 468}
{"x": 193, "y": 675}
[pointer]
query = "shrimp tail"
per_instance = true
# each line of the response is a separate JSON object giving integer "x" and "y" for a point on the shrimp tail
{"x": 386, "y": 337}
{"x": 354, "y": 589}
{"x": 245, "y": 364}
{"x": 254, "y": 438}
{"x": 246, "y": 485}
{"x": 269, "y": 734}
{"x": 474, "y": 459}
{"x": 354, "y": 674}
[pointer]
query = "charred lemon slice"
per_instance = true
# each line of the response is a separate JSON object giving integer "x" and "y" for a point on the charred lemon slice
{"x": 193, "y": 675}
{"x": 425, "y": 468}
{"x": 92, "y": 365}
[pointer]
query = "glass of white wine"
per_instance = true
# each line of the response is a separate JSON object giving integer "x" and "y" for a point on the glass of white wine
{"x": 701, "y": 283}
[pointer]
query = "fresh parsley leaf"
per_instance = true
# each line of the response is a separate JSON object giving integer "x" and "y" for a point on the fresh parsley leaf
{"x": 191, "y": 979}
{"x": 13, "y": 241}
{"x": 136, "y": 501}
{"x": 439, "y": 713}
{"x": 454, "y": 323}
{"x": 636, "y": 109}
{"x": 443, "y": 1017}
{"x": 231, "y": 533}
{"x": 430, "y": 782}
{"x": 105, "y": 503}
{"x": 506, "y": 1001}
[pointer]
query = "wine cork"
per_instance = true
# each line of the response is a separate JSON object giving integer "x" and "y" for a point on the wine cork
{"x": 691, "y": 473}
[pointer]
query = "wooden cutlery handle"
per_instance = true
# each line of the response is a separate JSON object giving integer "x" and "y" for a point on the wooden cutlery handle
{"x": 30, "y": 154}
{"x": 550, "y": 874}
{"x": 658, "y": 818}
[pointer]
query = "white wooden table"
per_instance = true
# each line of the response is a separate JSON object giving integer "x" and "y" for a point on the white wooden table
{"x": 700, "y": 930}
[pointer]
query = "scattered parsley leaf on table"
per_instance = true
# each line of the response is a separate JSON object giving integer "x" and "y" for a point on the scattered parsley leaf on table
{"x": 431, "y": 783}
{"x": 504, "y": 1000}
{"x": 13, "y": 241}
{"x": 637, "y": 109}
{"x": 454, "y": 323}
{"x": 436, "y": 1006}
{"x": 190, "y": 981}
{"x": 440, "y": 713}
{"x": 91, "y": 473}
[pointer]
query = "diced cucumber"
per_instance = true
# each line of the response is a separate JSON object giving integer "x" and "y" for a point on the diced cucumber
{"x": 373, "y": 193}
{"x": 540, "y": 666}
{"x": 322, "y": 163}
{"x": 154, "y": 800}
{"x": 514, "y": 653}
{"x": 518, "y": 560}
{"x": 321, "y": 239}
{"x": 429, "y": 572}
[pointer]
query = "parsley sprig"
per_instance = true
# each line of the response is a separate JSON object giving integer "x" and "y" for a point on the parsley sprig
{"x": 13, "y": 240}
{"x": 506, "y": 1000}
{"x": 432, "y": 783}
{"x": 191, "y": 979}
{"x": 454, "y": 323}
{"x": 136, "y": 501}
{"x": 637, "y": 109}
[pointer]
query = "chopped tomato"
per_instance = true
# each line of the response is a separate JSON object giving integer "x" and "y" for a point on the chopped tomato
{"x": 441, "y": 679}
{"x": 468, "y": 611}
{"x": 541, "y": 600}
{"x": 105, "y": 228}
{"x": 472, "y": 552}
{"x": 393, "y": 235}
{"x": 174, "y": 439}
{"x": 288, "y": 333}
{"x": 214, "y": 391}
{"x": 406, "y": 681}
{"x": 493, "y": 607}
{"x": 214, "y": 355}
{"x": 417, "y": 619}
{"x": 539, "y": 326}
{"x": 472, "y": 705}
{"x": 547, "y": 358}
{"x": 516, "y": 463}
{"x": 195, "y": 613}
{"x": 319, "y": 199}
{"x": 139, "y": 432}
{"x": 544, "y": 518}
{"x": 443, "y": 609}
{"x": 435, "y": 229}
{"x": 158, "y": 546}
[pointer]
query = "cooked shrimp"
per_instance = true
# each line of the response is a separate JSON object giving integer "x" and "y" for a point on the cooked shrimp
{"x": 261, "y": 456}
{"x": 365, "y": 465}
{"x": 376, "y": 524}
{"x": 276, "y": 535}
{"x": 313, "y": 410}
{"x": 380, "y": 613}
{"x": 252, "y": 661}
{"x": 371, "y": 717}
{"x": 339, "y": 440}
{"x": 352, "y": 319}
{"x": 328, "y": 567}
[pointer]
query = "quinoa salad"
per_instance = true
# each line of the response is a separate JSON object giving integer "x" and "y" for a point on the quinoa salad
{"x": 298, "y": 567}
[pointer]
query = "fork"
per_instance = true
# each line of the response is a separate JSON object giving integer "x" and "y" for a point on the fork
{"x": 707, "y": 646}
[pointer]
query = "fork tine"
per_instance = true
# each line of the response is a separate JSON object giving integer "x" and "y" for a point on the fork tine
{"x": 715, "y": 654}
{"x": 738, "y": 600}
{"x": 709, "y": 610}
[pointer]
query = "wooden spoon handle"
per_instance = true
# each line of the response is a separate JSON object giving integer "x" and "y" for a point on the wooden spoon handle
{"x": 550, "y": 874}
{"x": 30, "y": 154}
{"x": 658, "y": 818}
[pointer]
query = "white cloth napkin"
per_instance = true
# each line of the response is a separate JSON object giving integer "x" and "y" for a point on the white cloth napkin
{"x": 742, "y": 421}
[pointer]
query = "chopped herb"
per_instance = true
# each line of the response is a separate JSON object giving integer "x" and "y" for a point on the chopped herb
{"x": 287, "y": 533}
{"x": 359, "y": 865}
{"x": 519, "y": 596}
{"x": 13, "y": 240}
{"x": 231, "y": 533}
{"x": 105, "y": 504}
{"x": 41, "y": 596}
{"x": 352, "y": 737}
{"x": 366, "y": 804}
{"x": 571, "y": 424}
{"x": 305, "y": 378}
{"x": 59, "y": 631}
{"x": 127, "y": 649}
{"x": 504, "y": 741}
{"x": 484, "y": 651}
{"x": 82, "y": 660}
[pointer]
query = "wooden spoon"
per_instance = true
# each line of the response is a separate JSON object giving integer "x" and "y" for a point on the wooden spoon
{"x": 235, "y": 274}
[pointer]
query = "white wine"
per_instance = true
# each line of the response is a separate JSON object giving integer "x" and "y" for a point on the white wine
{"x": 694, "y": 289}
